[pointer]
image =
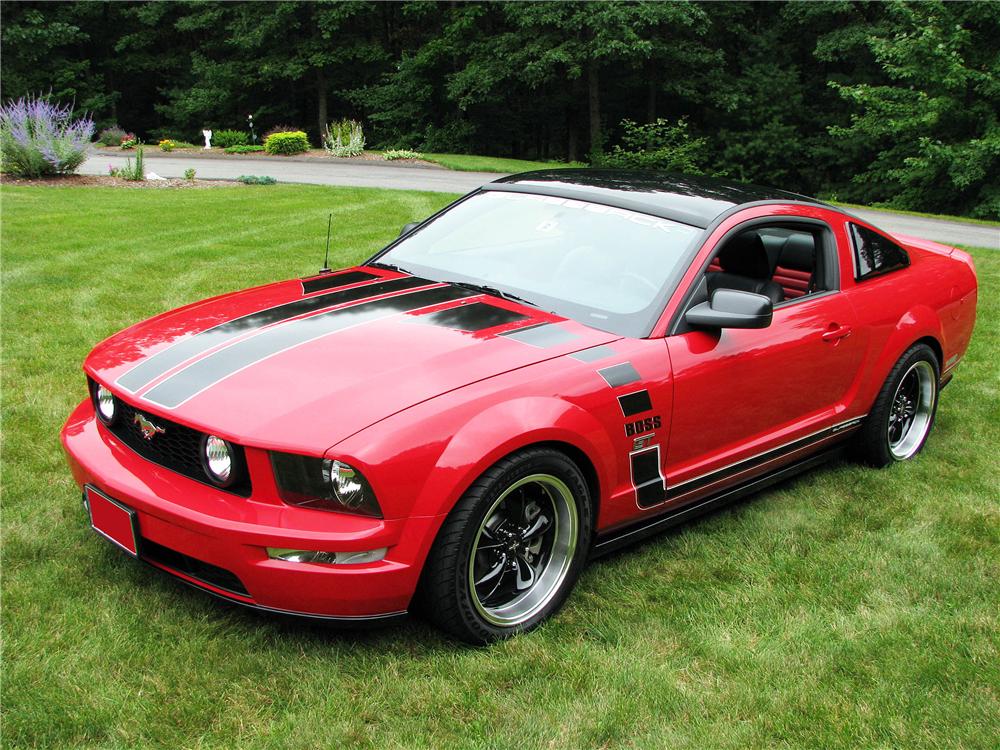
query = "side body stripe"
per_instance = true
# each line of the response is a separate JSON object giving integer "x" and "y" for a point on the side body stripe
{"x": 618, "y": 375}
{"x": 635, "y": 403}
{"x": 649, "y": 492}
{"x": 647, "y": 476}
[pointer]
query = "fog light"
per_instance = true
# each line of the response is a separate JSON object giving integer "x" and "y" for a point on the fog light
{"x": 218, "y": 460}
{"x": 106, "y": 406}
{"x": 326, "y": 558}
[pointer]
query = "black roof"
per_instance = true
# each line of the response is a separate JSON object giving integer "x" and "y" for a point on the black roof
{"x": 685, "y": 198}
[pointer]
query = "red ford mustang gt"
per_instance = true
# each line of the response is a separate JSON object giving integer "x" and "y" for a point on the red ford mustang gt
{"x": 555, "y": 365}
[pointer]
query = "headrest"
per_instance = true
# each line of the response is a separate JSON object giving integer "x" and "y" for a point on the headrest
{"x": 798, "y": 253}
{"x": 744, "y": 255}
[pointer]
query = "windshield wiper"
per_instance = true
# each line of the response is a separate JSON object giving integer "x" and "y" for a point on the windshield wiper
{"x": 481, "y": 288}
{"x": 494, "y": 292}
{"x": 388, "y": 266}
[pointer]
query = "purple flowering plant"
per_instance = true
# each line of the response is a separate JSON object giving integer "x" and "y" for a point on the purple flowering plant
{"x": 39, "y": 137}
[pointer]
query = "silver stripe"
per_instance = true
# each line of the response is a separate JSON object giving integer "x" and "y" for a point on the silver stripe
{"x": 832, "y": 430}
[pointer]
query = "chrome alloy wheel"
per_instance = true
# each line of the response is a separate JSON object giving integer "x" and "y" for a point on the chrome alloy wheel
{"x": 911, "y": 410}
{"x": 523, "y": 550}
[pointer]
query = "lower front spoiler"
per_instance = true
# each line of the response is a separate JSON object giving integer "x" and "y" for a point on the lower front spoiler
{"x": 241, "y": 600}
{"x": 340, "y": 621}
{"x": 218, "y": 542}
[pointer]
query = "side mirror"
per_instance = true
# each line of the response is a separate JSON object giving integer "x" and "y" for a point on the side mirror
{"x": 407, "y": 228}
{"x": 731, "y": 308}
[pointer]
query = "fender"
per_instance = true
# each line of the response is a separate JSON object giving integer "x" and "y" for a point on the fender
{"x": 503, "y": 429}
{"x": 427, "y": 481}
{"x": 919, "y": 322}
{"x": 450, "y": 448}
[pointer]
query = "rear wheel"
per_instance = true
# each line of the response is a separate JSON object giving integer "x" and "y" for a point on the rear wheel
{"x": 510, "y": 552}
{"x": 903, "y": 414}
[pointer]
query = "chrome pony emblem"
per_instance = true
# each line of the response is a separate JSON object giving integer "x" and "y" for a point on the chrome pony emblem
{"x": 148, "y": 428}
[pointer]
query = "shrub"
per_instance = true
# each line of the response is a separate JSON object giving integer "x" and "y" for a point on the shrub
{"x": 226, "y": 138}
{"x": 252, "y": 179}
{"x": 657, "y": 145}
{"x": 244, "y": 149}
{"x": 131, "y": 172}
{"x": 112, "y": 136}
{"x": 344, "y": 138}
{"x": 188, "y": 174}
{"x": 400, "y": 153}
{"x": 287, "y": 143}
{"x": 282, "y": 129}
{"x": 167, "y": 145}
{"x": 129, "y": 141}
{"x": 40, "y": 138}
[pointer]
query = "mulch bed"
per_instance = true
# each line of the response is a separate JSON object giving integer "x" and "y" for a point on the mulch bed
{"x": 84, "y": 180}
{"x": 313, "y": 154}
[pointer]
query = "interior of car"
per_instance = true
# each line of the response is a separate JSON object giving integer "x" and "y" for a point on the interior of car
{"x": 780, "y": 263}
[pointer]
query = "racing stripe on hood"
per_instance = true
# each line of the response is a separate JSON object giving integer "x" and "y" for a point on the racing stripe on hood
{"x": 334, "y": 280}
{"x": 162, "y": 362}
{"x": 206, "y": 372}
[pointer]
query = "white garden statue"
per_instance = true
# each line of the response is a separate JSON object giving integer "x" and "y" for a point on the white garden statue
{"x": 208, "y": 138}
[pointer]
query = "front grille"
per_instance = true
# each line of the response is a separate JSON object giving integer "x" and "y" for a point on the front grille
{"x": 202, "y": 571}
{"x": 177, "y": 448}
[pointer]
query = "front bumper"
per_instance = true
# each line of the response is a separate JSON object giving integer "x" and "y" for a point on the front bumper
{"x": 193, "y": 531}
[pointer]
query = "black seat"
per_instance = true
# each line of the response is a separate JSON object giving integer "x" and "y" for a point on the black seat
{"x": 796, "y": 271}
{"x": 746, "y": 268}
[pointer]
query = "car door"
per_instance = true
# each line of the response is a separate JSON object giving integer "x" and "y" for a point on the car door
{"x": 746, "y": 400}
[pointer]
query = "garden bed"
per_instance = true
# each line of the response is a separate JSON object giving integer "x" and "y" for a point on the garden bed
{"x": 314, "y": 154}
{"x": 84, "y": 180}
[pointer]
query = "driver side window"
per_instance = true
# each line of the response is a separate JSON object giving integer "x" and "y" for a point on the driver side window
{"x": 783, "y": 263}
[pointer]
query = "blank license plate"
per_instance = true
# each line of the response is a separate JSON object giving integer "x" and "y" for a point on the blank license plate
{"x": 115, "y": 522}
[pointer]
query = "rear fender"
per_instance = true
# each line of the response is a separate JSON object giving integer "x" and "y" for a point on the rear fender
{"x": 917, "y": 323}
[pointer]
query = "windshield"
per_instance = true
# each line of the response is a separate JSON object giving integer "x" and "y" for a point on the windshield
{"x": 603, "y": 266}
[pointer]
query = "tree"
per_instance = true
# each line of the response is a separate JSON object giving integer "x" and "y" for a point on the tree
{"x": 932, "y": 123}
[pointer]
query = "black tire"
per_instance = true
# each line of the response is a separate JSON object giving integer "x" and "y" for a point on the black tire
{"x": 448, "y": 594}
{"x": 885, "y": 439}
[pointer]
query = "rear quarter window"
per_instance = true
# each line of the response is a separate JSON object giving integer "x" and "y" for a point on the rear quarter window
{"x": 875, "y": 254}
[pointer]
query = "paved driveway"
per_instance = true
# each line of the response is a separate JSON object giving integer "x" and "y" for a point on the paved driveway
{"x": 311, "y": 171}
{"x": 397, "y": 177}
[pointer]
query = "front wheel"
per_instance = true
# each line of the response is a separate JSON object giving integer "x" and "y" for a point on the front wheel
{"x": 511, "y": 550}
{"x": 903, "y": 414}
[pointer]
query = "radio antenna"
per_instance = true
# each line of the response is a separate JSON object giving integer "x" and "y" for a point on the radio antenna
{"x": 326, "y": 258}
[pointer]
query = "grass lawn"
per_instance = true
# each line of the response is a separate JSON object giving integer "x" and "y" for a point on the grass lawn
{"x": 472, "y": 163}
{"x": 847, "y": 608}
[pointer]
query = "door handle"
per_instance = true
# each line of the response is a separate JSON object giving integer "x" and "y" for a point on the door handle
{"x": 836, "y": 333}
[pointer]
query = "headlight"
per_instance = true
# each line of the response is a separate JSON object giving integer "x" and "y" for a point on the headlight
{"x": 218, "y": 460}
{"x": 324, "y": 484}
{"x": 104, "y": 402}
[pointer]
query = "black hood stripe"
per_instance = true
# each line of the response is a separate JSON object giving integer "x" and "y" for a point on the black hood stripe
{"x": 335, "y": 280}
{"x": 543, "y": 335}
{"x": 476, "y": 316}
{"x": 219, "y": 365}
{"x": 162, "y": 362}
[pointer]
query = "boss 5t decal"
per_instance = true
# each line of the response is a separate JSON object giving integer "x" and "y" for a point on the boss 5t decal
{"x": 640, "y": 426}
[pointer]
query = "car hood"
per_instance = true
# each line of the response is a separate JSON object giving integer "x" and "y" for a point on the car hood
{"x": 300, "y": 365}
